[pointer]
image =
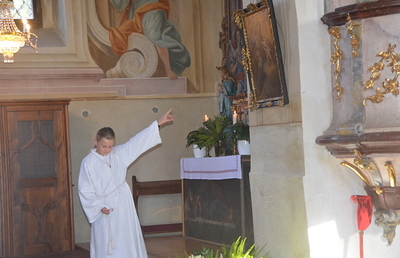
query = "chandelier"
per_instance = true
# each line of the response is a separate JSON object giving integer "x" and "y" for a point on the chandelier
{"x": 11, "y": 38}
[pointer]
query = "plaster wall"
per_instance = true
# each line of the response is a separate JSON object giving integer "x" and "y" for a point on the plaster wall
{"x": 331, "y": 215}
{"x": 128, "y": 117}
{"x": 300, "y": 193}
{"x": 277, "y": 169}
{"x": 277, "y": 162}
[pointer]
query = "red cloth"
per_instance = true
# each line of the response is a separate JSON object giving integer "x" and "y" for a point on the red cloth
{"x": 364, "y": 210}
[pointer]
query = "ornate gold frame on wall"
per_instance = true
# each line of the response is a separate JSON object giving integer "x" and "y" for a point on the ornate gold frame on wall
{"x": 262, "y": 56}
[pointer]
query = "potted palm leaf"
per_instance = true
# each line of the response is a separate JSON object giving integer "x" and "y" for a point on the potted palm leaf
{"x": 200, "y": 140}
{"x": 238, "y": 135}
{"x": 211, "y": 134}
{"x": 236, "y": 250}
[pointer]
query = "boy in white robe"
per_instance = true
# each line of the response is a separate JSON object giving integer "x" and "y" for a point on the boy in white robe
{"x": 106, "y": 197}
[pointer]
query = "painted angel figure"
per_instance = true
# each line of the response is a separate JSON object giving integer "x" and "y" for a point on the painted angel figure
{"x": 150, "y": 18}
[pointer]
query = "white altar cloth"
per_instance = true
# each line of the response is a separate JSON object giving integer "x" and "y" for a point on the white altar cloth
{"x": 214, "y": 168}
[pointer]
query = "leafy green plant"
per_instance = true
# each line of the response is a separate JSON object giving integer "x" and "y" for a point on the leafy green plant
{"x": 236, "y": 132}
{"x": 205, "y": 253}
{"x": 236, "y": 250}
{"x": 200, "y": 137}
{"x": 211, "y": 134}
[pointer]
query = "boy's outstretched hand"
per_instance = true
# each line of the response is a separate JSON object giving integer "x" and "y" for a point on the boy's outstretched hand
{"x": 167, "y": 118}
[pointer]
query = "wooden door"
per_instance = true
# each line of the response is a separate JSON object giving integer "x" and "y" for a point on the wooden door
{"x": 38, "y": 187}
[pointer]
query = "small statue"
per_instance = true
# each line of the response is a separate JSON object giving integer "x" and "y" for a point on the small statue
{"x": 227, "y": 89}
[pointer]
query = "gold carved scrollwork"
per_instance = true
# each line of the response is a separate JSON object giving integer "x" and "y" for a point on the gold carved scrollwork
{"x": 357, "y": 171}
{"x": 369, "y": 173}
{"x": 389, "y": 85}
{"x": 252, "y": 7}
{"x": 360, "y": 162}
{"x": 238, "y": 14}
{"x": 253, "y": 104}
{"x": 336, "y": 58}
{"x": 354, "y": 40}
{"x": 246, "y": 59}
{"x": 391, "y": 174}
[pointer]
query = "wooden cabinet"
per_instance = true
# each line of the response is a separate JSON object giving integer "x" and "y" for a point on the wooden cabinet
{"x": 35, "y": 179}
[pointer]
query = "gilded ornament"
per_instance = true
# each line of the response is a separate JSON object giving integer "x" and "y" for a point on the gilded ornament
{"x": 377, "y": 98}
{"x": 389, "y": 85}
{"x": 246, "y": 59}
{"x": 238, "y": 14}
{"x": 252, "y": 7}
{"x": 269, "y": 104}
{"x": 391, "y": 174}
{"x": 336, "y": 58}
{"x": 365, "y": 165}
{"x": 253, "y": 104}
{"x": 378, "y": 189}
{"x": 375, "y": 76}
{"x": 357, "y": 171}
{"x": 368, "y": 84}
{"x": 354, "y": 40}
{"x": 360, "y": 162}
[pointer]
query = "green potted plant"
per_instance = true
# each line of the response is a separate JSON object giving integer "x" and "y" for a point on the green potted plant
{"x": 238, "y": 135}
{"x": 211, "y": 134}
{"x": 200, "y": 140}
{"x": 216, "y": 128}
{"x": 236, "y": 250}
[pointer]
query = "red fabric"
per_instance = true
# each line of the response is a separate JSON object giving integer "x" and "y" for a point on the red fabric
{"x": 364, "y": 216}
{"x": 364, "y": 210}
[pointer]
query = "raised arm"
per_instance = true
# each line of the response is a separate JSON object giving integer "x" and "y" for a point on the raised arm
{"x": 167, "y": 118}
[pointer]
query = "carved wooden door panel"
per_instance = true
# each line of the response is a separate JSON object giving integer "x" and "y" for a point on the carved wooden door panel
{"x": 39, "y": 194}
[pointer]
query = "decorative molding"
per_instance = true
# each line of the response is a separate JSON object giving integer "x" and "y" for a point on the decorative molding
{"x": 342, "y": 146}
{"x": 73, "y": 81}
{"x": 361, "y": 11}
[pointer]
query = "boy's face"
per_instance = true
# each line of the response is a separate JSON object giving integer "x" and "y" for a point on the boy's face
{"x": 104, "y": 146}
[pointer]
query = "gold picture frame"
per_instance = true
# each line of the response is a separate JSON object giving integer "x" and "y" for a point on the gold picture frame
{"x": 262, "y": 56}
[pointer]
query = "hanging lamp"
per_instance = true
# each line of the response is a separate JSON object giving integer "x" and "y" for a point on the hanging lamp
{"x": 11, "y": 38}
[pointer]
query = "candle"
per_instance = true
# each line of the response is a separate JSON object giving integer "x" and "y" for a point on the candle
{"x": 28, "y": 30}
{"x": 206, "y": 118}
{"x": 234, "y": 118}
{"x": 24, "y": 22}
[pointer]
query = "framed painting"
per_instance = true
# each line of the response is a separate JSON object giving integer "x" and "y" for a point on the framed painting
{"x": 262, "y": 56}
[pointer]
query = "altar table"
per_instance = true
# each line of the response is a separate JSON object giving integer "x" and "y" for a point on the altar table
{"x": 215, "y": 168}
{"x": 216, "y": 199}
